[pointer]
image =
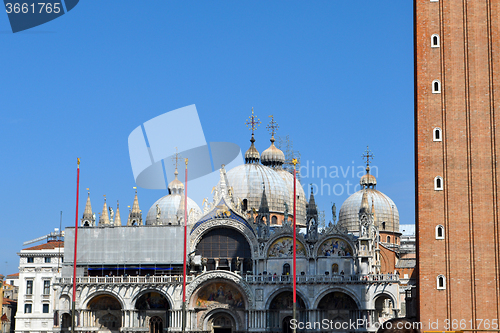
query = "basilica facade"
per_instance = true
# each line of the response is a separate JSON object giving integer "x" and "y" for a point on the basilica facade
{"x": 239, "y": 262}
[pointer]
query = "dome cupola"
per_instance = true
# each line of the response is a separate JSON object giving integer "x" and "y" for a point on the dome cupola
{"x": 272, "y": 156}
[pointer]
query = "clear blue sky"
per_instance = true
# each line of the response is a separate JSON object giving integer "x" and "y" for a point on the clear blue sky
{"x": 337, "y": 76}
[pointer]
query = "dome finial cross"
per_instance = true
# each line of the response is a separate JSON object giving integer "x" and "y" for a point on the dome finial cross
{"x": 273, "y": 126}
{"x": 368, "y": 156}
{"x": 253, "y": 122}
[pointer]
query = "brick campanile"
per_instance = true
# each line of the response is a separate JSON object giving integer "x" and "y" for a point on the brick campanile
{"x": 457, "y": 72}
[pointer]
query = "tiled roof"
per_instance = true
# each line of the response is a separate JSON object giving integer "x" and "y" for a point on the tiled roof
{"x": 7, "y": 301}
{"x": 15, "y": 275}
{"x": 47, "y": 246}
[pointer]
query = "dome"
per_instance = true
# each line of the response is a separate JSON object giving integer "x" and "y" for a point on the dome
{"x": 302, "y": 200}
{"x": 171, "y": 206}
{"x": 171, "y": 209}
{"x": 247, "y": 181}
{"x": 252, "y": 154}
{"x": 385, "y": 211}
{"x": 272, "y": 156}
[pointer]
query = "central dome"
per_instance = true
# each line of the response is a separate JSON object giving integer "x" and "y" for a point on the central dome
{"x": 248, "y": 181}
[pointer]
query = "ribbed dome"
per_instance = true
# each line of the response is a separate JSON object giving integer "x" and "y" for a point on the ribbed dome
{"x": 368, "y": 180}
{"x": 176, "y": 186}
{"x": 247, "y": 181}
{"x": 385, "y": 211}
{"x": 302, "y": 200}
{"x": 272, "y": 156}
{"x": 171, "y": 210}
{"x": 252, "y": 154}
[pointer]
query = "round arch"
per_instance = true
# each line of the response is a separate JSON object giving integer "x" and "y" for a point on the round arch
{"x": 321, "y": 242}
{"x": 197, "y": 234}
{"x": 327, "y": 291}
{"x": 386, "y": 294}
{"x": 90, "y": 297}
{"x": 384, "y": 305}
{"x": 143, "y": 292}
{"x": 219, "y": 293}
{"x": 273, "y": 245}
{"x": 213, "y": 314}
{"x": 287, "y": 289}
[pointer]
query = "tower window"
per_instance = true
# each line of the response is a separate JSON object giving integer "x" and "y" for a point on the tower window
{"x": 244, "y": 205}
{"x": 439, "y": 232}
{"x": 438, "y": 183}
{"x": 437, "y": 135}
{"x": 441, "y": 282}
{"x": 436, "y": 87}
{"x": 383, "y": 225}
{"x": 435, "y": 40}
{"x": 388, "y": 239}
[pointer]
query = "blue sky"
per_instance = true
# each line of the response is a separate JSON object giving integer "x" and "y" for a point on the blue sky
{"x": 336, "y": 75}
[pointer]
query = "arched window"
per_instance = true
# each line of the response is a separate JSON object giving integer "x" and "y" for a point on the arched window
{"x": 383, "y": 225}
{"x": 244, "y": 205}
{"x": 436, "y": 134}
{"x": 435, "y": 40}
{"x": 274, "y": 220}
{"x": 439, "y": 232}
{"x": 438, "y": 183}
{"x": 388, "y": 239}
{"x": 286, "y": 269}
{"x": 436, "y": 87}
{"x": 441, "y": 282}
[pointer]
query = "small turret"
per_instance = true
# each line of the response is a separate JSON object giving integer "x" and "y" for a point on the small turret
{"x": 135, "y": 216}
{"x": 88, "y": 218}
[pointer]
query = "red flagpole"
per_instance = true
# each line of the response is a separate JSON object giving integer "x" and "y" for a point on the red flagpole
{"x": 76, "y": 240}
{"x": 294, "y": 244}
{"x": 185, "y": 253}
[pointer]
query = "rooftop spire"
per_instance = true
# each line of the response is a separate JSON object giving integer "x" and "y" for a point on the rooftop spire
{"x": 118, "y": 220}
{"x": 252, "y": 155}
{"x": 368, "y": 180}
{"x": 176, "y": 186}
{"x": 104, "y": 218}
{"x": 135, "y": 216}
{"x": 88, "y": 219}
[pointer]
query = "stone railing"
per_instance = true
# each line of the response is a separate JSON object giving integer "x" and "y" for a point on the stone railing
{"x": 174, "y": 279}
{"x": 252, "y": 279}
{"x": 339, "y": 279}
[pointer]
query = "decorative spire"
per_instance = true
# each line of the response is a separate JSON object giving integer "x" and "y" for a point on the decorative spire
{"x": 176, "y": 186}
{"x": 135, "y": 216}
{"x": 312, "y": 209}
{"x": 252, "y": 155}
{"x": 118, "y": 220}
{"x": 104, "y": 217}
{"x": 88, "y": 219}
{"x": 368, "y": 180}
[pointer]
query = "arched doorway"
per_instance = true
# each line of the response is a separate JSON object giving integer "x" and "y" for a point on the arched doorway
{"x": 107, "y": 312}
{"x": 155, "y": 306}
{"x": 384, "y": 308}
{"x": 287, "y": 325}
{"x": 337, "y": 307}
{"x": 281, "y": 308}
{"x": 66, "y": 322}
{"x": 156, "y": 325}
{"x": 221, "y": 323}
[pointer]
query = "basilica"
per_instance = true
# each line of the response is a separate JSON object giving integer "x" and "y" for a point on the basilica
{"x": 351, "y": 274}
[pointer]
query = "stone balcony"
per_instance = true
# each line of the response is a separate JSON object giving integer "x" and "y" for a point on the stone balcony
{"x": 251, "y": 279}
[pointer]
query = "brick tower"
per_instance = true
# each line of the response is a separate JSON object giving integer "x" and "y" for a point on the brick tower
{"x": 457, "y": 67}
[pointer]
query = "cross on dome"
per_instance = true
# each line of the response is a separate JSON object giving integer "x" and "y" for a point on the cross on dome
{"x": 273, "y": 126}
{"x": 368, "y": 155}
{"x": 253, "y": 122}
